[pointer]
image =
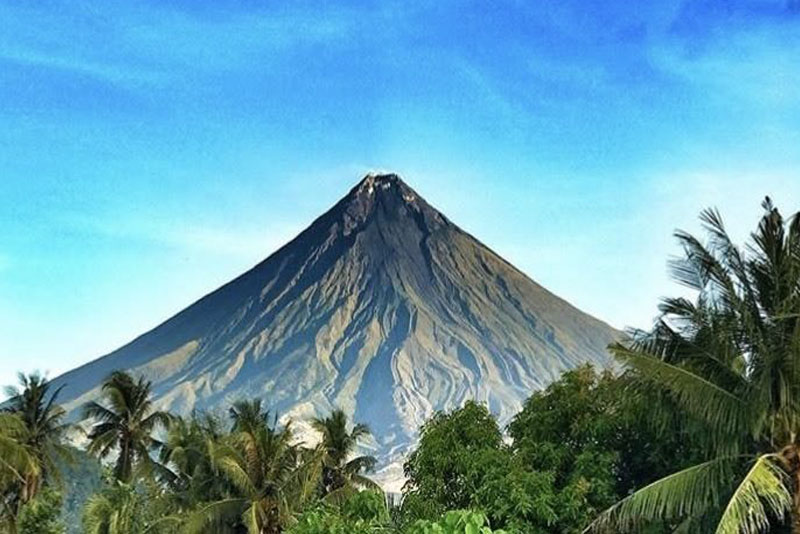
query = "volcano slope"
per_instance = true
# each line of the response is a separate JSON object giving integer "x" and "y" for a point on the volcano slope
{"x": 382, "y": 307}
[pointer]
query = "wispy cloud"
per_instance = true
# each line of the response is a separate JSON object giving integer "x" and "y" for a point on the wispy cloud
{"x": 116, "y": 74}
{"x": 126, "y": 44}
{"x": 678, "y": 197}
{"x": 753, "y": 59}
{"x": 249, "y": 242}
{"x": 489, "y": 92}
{"x": 242, "y": 242}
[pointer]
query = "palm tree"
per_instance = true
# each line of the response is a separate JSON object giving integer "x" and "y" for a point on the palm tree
{"x": 341, "y": 471}
{"x": 15, "y": 457}
{"x": 248, "y": 416}
{"x": 188, "y": 452}
{"x": 270, "y": 475}
{"x": 113, "y": 511}
{"x": 44, "y": 429}
{"x": 18, "y": 465}
{"x": 126, "y": 426}
{"x": 730, "y": 359}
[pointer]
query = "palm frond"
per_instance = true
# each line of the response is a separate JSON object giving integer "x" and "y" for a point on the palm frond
{"x": 251, "y": 519}
{"x": 361, "y": 464}
{"x": 199, "y": 521}
{"x": 340, "y": 495}
{"x": 95, "y": 410}
{"x": 682, "y": 495}
{"x": 762, "y": 495}
{"x": 716, "y": 405}
{"x": 366, "y": 483}
{"x": 237, "y": 475}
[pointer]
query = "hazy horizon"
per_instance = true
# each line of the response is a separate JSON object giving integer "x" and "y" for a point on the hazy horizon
{"x": 151, "y": 153}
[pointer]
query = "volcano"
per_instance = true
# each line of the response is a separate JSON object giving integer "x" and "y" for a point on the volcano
{"x": 382, "y": 307}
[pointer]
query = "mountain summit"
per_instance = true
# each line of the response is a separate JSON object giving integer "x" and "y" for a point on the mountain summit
{"x": 382, "y": 307}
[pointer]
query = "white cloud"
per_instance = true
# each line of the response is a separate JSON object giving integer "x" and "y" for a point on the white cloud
{"x": 245, "y": 243}
{"x": 251, "y": 241}
{"x": 120, "y": 74}
{"x": 123, "y": 44}
{"x": 737, "y": 195}
{"x": 757, "y": 63}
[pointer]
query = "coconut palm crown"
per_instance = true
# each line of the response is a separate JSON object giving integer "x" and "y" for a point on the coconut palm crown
{"x": 125, "y": 424}
{"x": 342, "y": 471}
{"x": 39, "y": 434}
{"x": 271, "y": 476}
{"x": 731, "y": 359}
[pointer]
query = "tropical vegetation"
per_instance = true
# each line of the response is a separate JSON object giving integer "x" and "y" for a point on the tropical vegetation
{"x": 697, "y": 431}
{"x": 32, "y": 434}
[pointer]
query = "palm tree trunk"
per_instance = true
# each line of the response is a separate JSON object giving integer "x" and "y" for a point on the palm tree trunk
{"x": 796, "y": 514}
{"x": 795, "y": 473}
{"x": 12, "y": 519}
{"x": 796, "y": 504}
{"x": 124, "y": 471}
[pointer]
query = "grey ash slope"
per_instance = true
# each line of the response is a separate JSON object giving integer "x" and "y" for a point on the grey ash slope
{"x": 382, "y": 307}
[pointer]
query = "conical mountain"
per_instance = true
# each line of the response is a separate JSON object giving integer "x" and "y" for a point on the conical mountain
{"x": 382, "y": 307}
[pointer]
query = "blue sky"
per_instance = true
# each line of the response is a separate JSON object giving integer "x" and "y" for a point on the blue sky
{"x": 151, "y": 151}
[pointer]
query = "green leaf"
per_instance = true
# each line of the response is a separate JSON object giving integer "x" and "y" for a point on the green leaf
{"x": 763, "y": 493}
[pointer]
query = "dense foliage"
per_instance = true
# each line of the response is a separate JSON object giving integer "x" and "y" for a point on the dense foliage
{"x": 359, "y": 513}
{"x": 576, "y": 449}
{"x": 42, "y": 514}
{"x": 572, "y": 452}
{"x": 455, "y": 522}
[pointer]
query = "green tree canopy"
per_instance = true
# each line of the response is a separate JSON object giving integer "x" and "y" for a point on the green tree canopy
{"x": 590, "y": 431}
{"x": 362, "y": 512}
{"x": 455, "y": 522}
{"x": 45, "y": 429}
{"x": 124, "y": 508}
{"x": 441, "y": 472}
{"x": 462, "y": 463}
{"x": 18, "y": 464}
{"x": 188, "y": 453}
{"x": 42, "y": 515}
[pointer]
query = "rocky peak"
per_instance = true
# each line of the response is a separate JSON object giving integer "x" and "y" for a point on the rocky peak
{"x": 391, "y": 184}
{"x": 387, "y": 194}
